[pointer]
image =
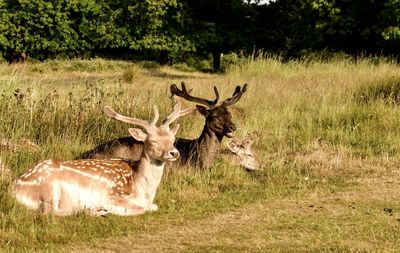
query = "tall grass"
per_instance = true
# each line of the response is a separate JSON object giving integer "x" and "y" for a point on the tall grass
{"x": 313, "y": 123}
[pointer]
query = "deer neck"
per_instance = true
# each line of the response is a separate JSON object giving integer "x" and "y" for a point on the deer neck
{"x": 208, "y": 145}
{"x": 148, "y": 176}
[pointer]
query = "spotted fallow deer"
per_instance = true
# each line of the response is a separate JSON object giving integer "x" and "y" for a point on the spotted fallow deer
{"x": 240, "y": 152}
{"x": 104, "y": 186}
{"x": 199, "y": 152}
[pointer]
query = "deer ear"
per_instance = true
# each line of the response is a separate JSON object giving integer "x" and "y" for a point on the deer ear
{"x": 233, "y": 146}
{"x": 174, "y": 130}
{"x": 203, "y": 110}
{"x": 247, "y": 142}
{"x": 137, "y": 134}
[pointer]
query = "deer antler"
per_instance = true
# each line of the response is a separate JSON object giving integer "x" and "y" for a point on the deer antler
{"x": 156, "y": 116}
{"x": 237, "y": 94}
{"x": 109, "y": 111}
{"x": 176, "y": 114}
{"x": 185, "y": 94}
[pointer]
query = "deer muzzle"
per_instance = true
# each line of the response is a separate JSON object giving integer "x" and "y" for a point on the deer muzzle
{"x": 229, "y": 131}
{"x": 171, "y": 155}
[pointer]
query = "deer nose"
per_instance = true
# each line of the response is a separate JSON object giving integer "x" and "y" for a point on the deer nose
{"x": 174, "y": 153}
{"x": 232, "y": 128}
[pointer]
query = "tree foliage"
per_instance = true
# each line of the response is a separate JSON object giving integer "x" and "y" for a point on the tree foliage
{"x": 177, "y": 28}
{"x": 52, "y": 27}
{"x": 39, "y": 26}
{"x": 219, "y": 26}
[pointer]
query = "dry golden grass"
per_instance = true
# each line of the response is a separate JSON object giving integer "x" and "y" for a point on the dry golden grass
{"x": 316, "y": 223}
{"x": 330, "y": 178}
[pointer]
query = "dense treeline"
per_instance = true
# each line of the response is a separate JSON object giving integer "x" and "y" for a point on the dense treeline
{"x": 173, "y": 30}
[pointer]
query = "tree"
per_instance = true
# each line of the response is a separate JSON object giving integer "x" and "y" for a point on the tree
{"x": 219, "y": 26}
{"x": 287, "y": 27}
{"x": 4, "y": 27}
{"x": 38, "y": 27}
{"x": 157, "y": 26}
{"x": 96, "y": 25}
{"x": 391, "y": 27}
{"x": 352, "y": 26}
{"x": 47, "y": 28}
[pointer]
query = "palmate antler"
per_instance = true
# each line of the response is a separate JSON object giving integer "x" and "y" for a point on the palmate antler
{"x": 237, "y": 94}
{"x": 183, "y": 93}
{"x": 109, "y": 111}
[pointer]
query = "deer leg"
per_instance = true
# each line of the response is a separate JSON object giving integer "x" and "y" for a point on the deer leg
{"x": 152, "y": 207}
{"x": 56, "y": 197}
{"x": 99, "y": 212}
{"x": 123, "y": 206}
{"x": 46, "y": 207}
{"x": 48, "y": 199}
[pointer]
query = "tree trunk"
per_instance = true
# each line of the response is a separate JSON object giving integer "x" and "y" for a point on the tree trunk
{"x": 163, "y": 57}
{"x": 216, "y": 60}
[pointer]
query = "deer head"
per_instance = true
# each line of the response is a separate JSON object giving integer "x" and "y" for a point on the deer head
{"x": 218, "y": 118}
{"x": 243, "y": 152}
{"x": 158, "y": 141}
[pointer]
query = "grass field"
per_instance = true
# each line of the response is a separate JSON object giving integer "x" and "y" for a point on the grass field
{"x": 328, "y": 134}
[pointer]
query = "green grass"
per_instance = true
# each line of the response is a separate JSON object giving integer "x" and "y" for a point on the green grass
{"x": 328, "y": 135}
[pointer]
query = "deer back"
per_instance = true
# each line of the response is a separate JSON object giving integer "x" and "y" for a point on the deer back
{"x": 125, "y": 148}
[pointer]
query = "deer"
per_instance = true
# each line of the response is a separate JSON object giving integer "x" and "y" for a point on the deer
{"x": 104, "y": 186}
{"x": 240, "y": 152}
{"x": 23, "y": 144}
{"x": 200, "y": 152}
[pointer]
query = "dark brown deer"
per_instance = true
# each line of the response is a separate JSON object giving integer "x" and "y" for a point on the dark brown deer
{"x": 199, "y": 152}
